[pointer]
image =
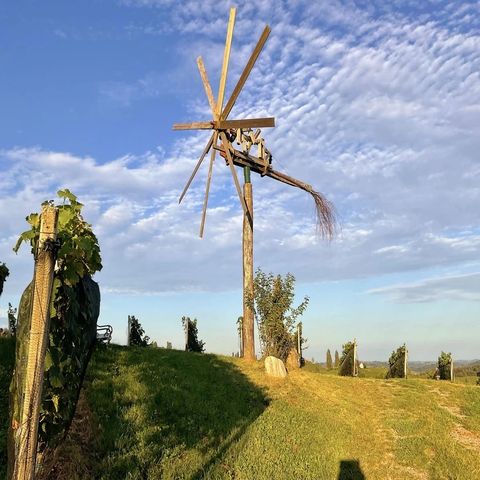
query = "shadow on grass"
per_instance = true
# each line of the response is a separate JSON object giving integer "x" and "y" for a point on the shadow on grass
{"x": 350, "y": 470}
{"x": 165, "y": 413}
{"x": 7, "y": 360}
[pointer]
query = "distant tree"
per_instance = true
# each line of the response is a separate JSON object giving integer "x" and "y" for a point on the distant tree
{"x": 4, "y": 273}
{"x": 347, "y": 361}
{"x": 137, "y": 335}
{"x": 313, "y": 360}
{"x": 12, "y": 319}
{"x": 153, "y": 345}
{"x": 397, "y": 363}
{"x": 275, "y": 314}
{"x": 193, "y": 343}
{"x": 329, "y": 360}
{"x": 444, "y": 368}
{"x": 337, "y": 359}
{"x": 169, "y": 345}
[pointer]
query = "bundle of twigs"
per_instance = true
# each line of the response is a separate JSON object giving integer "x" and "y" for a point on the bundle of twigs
{"x": 326, "y": 221}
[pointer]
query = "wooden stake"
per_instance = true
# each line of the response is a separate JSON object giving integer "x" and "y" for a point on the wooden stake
{"x": 355, "y": 357}
{"x": 248, "y": 320}
{"x": 405, "y": 363}
{"x": 24, "y": 468}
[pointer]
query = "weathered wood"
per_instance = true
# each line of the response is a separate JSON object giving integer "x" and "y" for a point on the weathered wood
{"x": 24, "y": 468}
{"x": 225, "y": 142}
{"x": 245, "y": 123}
{"x": 246, "y": 72}
{"x": 207, "y": 188}
{"x": 248, "y": 316}
{"x": 206, "y": 84}
{"x": 197, "y": 166}
{"x": 226, "y": 58}
{"x": 193, "y": 126}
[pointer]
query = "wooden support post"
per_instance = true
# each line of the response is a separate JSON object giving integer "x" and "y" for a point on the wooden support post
{"x": 299, "y": 344}
{"x": 452, "y": 378}
{"x": 405, "y": 363}
{"x": 248, "y": 320}
{"x": 355, "y": 358}
{"x": 25, "y": 462}
{"x": 187, "y": 324}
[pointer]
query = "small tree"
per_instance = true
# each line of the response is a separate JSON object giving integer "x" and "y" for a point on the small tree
{"x": 136, "y": 334}
{"x": 445, "y": 366}
{"x": 12, "y": 319}
{"x": 4, "y": 273}
{"x": 398, "y": 363}
{"x": 337, "y": 359}
{"x": 347, "y": 360}
{"x": 169, "y": 345}
{"x": 329, "y": 360}
{"x": 274, "y": 313}
{"x": 193, "y": 344}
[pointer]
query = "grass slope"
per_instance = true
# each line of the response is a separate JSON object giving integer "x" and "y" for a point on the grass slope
{"x": 154, "y": 413}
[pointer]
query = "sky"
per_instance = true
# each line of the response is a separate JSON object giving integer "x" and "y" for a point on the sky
{"x": 377, "y": 105}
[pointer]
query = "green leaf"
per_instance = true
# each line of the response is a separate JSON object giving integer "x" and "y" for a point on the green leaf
{"x": 48, "y": 361}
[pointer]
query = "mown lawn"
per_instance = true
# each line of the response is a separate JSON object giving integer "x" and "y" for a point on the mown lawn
{"x": 168, "y": 414}
{"x": 7, "y": 347}
{"x": 163, "y": 414}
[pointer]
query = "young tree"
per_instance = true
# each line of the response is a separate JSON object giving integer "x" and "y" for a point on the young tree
{"x": 4, "y": 273}
{"x": 137, "y": 333}
{"x": 337, "y": 359}
{"x": 329, "y": 360}
{"x": 169, "y": 345}
{"x": 347, "y": 360}
{"x": 193, "y": 344}
{"x": 445, "y": 367}
{"x": 274, "y": 313}
{"x": 12, "y": 319}
{"x": 397, "y": 363}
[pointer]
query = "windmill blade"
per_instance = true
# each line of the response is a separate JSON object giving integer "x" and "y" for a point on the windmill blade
{"x": 246, "y": 72}
{"x": 226, "y": 58}
{"x": 197, "y": 166}
{"x": 207, "y": 189}
{"x": 206, "y": 85}
{"x": 234, "y": 173}
{"x": 193, "y": 126}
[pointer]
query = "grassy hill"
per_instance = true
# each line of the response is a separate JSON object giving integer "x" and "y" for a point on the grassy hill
{"x": 155, "y": 413}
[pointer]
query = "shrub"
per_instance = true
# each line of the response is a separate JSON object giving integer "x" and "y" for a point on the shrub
{"x": 445, "y": 361}
{"x": 12, "y": 319}
{"x": 347, "y": 360}
{"x": 337, "y": 359}
{"x": 4, "y": 273}
{"x": 193, "y": 343}
{"x": 274, "y": 313}
{"x": 396, "y": 363}
{"x": 136, "y": 333}
{"x": 329, "y": 360}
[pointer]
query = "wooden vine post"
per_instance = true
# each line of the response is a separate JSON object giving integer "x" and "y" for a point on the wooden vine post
{"x": 355, "y": 371}
{"x": 405, "y": 359}
{"x": 299, "y": 343}
{"x": 187, "y": 324}
{"x": 248, "y": 317}
{"x": 24, "y": 467}
{"x": 240, "y": 143}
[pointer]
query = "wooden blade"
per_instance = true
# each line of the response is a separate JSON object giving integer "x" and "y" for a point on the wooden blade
{"x": 245, "y": 73}
{"x": 226, "y": 57}
{"x": 245, "y": 123}
{"x": 206, "y": 85}
{"x": 234, "y": 173}
{"x": 197, "y": 166}
{"x": 193, "y": 126}
{"x": 207, "y": 189}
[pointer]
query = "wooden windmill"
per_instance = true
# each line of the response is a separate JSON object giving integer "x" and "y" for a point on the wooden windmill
{"x": 246, "y": 135}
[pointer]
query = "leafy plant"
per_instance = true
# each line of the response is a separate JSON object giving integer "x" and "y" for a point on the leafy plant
{"x": 74, "y": 311}
{"x": 12, "y": 319}
{"x": 4, "y": 273}
{"x": 396, "y": 363}
{"x": 444, "y": 366}
{"x": 136, "y": 333}
{"x": 274, "y": 313}
{"x": 347, "y": 360}
{"x": 193, "y": 343}
{"x": 329, "y": 360}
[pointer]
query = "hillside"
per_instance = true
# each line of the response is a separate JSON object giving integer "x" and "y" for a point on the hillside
{"x": 155, "y": 413}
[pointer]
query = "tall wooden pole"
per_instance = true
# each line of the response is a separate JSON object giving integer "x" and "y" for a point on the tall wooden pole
{"x": 248, "y": 320}
{"x": 25, "y": 461}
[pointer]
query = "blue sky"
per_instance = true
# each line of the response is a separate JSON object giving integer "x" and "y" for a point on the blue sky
{"x": 377, "y": 105}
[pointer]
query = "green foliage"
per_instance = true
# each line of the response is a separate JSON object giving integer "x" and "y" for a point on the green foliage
{"x": 396, "y": 363}
{"x": 193, "y": 343}
{"x": 136, "y": 333}
{"x": 347, "y": 360}
{"x": 337, "y": 359}
{"x": 4, "y": 273}
{"x": 169, "y": 345}
{"x": 444, "y": 366}
{"x": 329, "y": 360}
{"x": 74, "y": 311}
{"x": 12, "y": 319}
{"x": 274, "y": 313}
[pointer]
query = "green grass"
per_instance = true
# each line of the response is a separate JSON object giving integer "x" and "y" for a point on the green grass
{"x": 7, "y": 350}
{"x": 163, "y": 414}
